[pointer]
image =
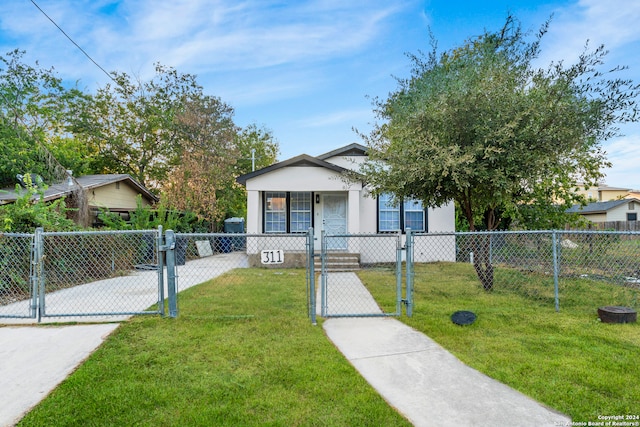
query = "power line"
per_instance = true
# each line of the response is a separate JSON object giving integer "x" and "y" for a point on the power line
{"x": 72, "y": 41}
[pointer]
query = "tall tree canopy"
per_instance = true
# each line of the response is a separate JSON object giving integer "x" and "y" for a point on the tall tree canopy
{"x": 34, "y": 105}
{"x": 172, "y": 138}
{"x": 165, "y": 132}
{"x": 131, "y": 124}
{"x": 482, "y": 126}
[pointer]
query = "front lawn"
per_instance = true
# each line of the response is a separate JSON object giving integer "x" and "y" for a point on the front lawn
{"x": 568, "y": 360}
{"x": 241, "y": 353}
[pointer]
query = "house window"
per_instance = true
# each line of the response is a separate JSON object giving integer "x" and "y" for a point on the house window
{"x": 632, "y": 216}
{"x": 300, "y": 212}
{"x": 287, "y": 212}
{"x": 632, "y": 206}
{"x": 388, "y": 214}
{"x": 414, "y": 215}
{"x": 275, "y": 212}
{"x": 394, "y": 217}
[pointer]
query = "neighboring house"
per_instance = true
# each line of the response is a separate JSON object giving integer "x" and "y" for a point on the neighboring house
{"x": 633, "y": 194}
{"x": 614, "y": 210}
{"x": 603, "y": 193}
{"x": 305, "y": 191}
{"x": 113, "y": 192}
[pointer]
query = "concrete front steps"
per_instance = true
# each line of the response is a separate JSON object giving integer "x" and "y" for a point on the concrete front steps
{"x": 339, "y": 261}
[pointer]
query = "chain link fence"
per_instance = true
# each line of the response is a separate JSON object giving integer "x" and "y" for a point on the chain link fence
{"x": 121, "y": 272}
{"x": 361, "y": 275}
{"x": 554, "y": 268}
{"x": 100, "y": 273}
{"x": 201, "y": 257}
{"x": 16, "y": 285}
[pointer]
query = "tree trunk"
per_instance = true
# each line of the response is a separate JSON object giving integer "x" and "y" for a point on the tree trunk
{"x": 482, "y": 260}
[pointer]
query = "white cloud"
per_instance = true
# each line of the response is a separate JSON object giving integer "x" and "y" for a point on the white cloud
{"x": 193, "y": 35}
{"x": 333, "y": 118}
{"x": 624, "y": 154}
{"x": 613, "y": 23}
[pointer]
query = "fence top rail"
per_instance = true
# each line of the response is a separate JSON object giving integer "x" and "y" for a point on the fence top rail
{"x": 300, "y": 235}
{"x": 390, "y": 234}
{"x": 503, "y": 232}
{"x": 2, "y": 234}
{"x": 628, "y": 232}
{"x": 100, "y": 232}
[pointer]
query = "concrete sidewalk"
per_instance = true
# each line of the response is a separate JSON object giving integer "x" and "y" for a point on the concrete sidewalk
{"x": 426, "y": 383}
{"x": 34, "y": 360}
{"x": 417, "y": 376}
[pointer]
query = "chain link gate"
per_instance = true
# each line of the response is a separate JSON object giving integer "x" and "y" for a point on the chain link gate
{"x": 90, "y": 274}
{"x": 361, "y": 275}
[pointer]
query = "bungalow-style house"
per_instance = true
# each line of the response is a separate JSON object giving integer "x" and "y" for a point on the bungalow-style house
{"x": 305, "y": 191}
{"x": 614, "y": 210}
{"x": 113, "y": 192}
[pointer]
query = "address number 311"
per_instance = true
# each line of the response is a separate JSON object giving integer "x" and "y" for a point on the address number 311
{"x": 273, "y": 256}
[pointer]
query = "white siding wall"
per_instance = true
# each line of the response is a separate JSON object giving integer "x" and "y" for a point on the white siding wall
{"x": 442, "y": 219}
{"x": 300, "y": 178}
{"x": 619, "y": 213}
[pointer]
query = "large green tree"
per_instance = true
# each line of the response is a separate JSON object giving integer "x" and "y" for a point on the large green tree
{"x": 206, "y": 132}
{"x": 483, "y": 126}
{"x": 34, "y": 107}
{"x": 172, "y": 138}
{"x": 130, "y": 123}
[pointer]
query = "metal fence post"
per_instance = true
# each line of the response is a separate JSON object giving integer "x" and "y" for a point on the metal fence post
{"x": 170, "y": 245}
{"x": 311, "y": 271}
{"x": 323, "y": 274}
{"x": 555, "y": 268}
{"x": 399, "y": 250}
{"x": 160, "y": 259}
{"x": 409, "y": 272}
{"x": 37, "y": 279}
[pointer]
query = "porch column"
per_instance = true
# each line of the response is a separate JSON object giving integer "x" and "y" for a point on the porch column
{"x": 353, "y": 225}
{"x": 253, "y": 212}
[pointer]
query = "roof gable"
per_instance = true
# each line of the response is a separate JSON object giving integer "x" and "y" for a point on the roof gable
{"x": 302, "y": 160}
{"x": 354, "y": 149}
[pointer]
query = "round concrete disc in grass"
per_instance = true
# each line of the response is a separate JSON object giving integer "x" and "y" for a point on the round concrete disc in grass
{"x": 463, "y": 317}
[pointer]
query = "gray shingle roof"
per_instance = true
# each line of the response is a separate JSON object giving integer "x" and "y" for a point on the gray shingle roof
{"x": 599, "y": 207}
{"x": 55, "y": 191}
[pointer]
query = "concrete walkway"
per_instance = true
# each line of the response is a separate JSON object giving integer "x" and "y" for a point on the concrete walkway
{"x": 418, "y": 377}
{"x": 33, "y": 361}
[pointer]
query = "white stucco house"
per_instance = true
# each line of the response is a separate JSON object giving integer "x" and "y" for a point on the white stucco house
{"x": 305, "y": 191}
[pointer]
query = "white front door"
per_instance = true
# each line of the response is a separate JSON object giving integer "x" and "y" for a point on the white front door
{"x": 334, "y": 219}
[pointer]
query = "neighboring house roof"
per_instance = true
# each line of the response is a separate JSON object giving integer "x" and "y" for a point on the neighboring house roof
{"x": 298, "y": 161}
{"x": 88, "y": 182}
{"x": 599, "y": 207}
{"x": 354, "y": 149}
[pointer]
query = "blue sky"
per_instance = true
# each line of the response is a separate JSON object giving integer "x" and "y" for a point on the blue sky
{"x": 307, "y": 70}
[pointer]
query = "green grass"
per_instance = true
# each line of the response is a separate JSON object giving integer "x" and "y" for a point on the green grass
{"x": 241, "y": 353}
{"x": 569, "y": 360}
